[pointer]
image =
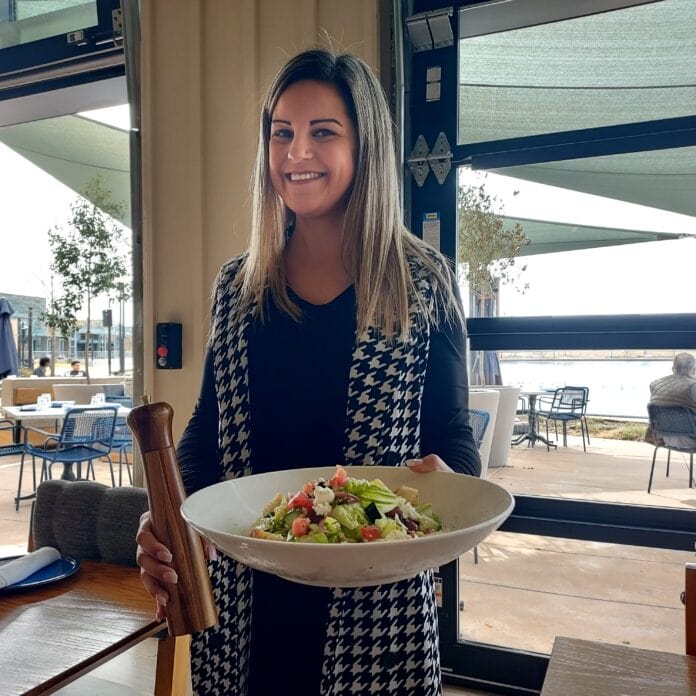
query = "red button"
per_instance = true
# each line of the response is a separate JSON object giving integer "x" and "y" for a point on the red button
{"x": 162, "y": 350}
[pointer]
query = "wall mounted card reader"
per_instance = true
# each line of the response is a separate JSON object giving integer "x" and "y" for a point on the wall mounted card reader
{"x": 168, "y": 346}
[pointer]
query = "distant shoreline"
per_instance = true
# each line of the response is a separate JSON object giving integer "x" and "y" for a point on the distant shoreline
{"x": 591, "y": 355}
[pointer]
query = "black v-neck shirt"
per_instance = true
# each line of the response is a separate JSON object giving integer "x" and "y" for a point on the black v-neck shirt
{"x": 298, "y": 384}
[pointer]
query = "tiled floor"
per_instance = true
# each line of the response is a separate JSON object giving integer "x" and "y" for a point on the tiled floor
{"x": 604, "y": 592}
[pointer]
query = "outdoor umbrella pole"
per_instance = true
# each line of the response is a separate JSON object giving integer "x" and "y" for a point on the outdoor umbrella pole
{"x": 191, "y": 606}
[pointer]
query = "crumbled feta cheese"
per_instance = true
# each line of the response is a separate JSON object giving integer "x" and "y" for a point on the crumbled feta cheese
{"x": 323, "y": 497}
{"x": 409, "y": 512}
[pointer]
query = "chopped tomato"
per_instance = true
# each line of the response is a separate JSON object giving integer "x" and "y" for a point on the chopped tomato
{"x": 300, "y": 527}
{"x": 370, "y": 533}
{"x": 339, "y": 478}
{"x": 308, "y": 488}
{"x": 300, "y": 500}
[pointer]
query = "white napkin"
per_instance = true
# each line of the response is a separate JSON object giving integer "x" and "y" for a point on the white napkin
{"x": 24, "y": 566}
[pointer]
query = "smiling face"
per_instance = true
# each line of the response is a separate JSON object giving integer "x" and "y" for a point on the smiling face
{"x": 312, "y": 151}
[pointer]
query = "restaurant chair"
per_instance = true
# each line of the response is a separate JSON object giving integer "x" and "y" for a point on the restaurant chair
{"x": 122, "y": 443}
{"x": 86, "y": 435}
{"x": 675, "y": 421}
{"x": 8, "y": 446}
{"x": 567, "y": 404}
{"x": 478, "y": 420}
{"x": 87, "y": 520}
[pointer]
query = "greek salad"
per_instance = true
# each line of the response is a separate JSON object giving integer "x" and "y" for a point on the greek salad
{"x": 346, "y": 510}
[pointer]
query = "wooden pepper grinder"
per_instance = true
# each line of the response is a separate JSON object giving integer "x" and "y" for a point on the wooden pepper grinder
{"x": 191, "y": 606}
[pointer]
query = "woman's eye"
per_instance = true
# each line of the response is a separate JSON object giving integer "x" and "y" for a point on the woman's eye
{"x": 323, "y": 133}
{"x": 282, "y": 133}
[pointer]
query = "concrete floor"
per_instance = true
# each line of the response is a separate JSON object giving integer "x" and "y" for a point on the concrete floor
{"x": 525, "y": 589}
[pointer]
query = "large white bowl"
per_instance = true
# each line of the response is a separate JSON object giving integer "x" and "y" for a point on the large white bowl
{"x": 470, "y": 509}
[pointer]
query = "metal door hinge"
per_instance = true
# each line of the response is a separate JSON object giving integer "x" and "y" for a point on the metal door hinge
{"x": 117, "y": 21}
{"x": 439, "y": 159}
{"x": 428, "y": 30}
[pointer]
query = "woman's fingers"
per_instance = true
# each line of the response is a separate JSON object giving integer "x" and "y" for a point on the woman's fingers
{"x": 430, "y": 462}
{"x": 152, "y": 557}
{"x": 211, "y": 552}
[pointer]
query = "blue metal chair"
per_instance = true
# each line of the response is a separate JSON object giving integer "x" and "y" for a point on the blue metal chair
{"x": 478, "y": 420}
{"x": 568, "y": 404}
{"x": 123, "y": 444}
{"x": 9, "y": 447}
{"x": 675, "y": 421}
{"x": 86, "y": 435}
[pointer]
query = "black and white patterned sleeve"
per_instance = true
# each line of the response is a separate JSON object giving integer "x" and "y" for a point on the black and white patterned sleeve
{"x": 445, "y": 429}
{"x": 199, "y": 459}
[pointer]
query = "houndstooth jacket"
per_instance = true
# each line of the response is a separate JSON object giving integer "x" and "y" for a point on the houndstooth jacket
{"x": 380, "y": 639}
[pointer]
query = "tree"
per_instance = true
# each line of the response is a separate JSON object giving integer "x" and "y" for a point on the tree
{"x": 88, "y": 256}
{"x": 486, "y": 247}
{"x": 487, "y": 251}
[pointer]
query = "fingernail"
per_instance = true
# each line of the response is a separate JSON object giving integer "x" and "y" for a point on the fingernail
{"x": 212, "y": 553}
{"x": 412, "y": 462}
{"x": 170, "y": 576}
{"x": 161, "y": 599}
{"x": 164, "y": 556}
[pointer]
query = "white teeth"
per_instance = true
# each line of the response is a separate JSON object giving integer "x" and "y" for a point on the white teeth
{"x": 304, "y": 176}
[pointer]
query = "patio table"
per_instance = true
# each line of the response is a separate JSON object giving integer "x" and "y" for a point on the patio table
{"x": 532, "y": 434}
{"x": 57, "y": 415}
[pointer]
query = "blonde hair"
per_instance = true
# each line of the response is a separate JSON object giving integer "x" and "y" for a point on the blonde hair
{"x": 376, "y": 246}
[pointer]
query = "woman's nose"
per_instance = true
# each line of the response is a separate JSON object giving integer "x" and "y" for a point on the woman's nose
{"x": 300, "y": 148}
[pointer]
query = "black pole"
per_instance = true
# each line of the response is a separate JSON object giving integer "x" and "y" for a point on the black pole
{"x": 30, "y": 340}
{"x": 121, "y": 337}
{"x": 108, "y": 347}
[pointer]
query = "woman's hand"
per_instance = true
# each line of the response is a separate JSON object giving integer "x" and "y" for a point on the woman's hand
{"x": 431, "y": 462}
{"x": 153, "y": 558}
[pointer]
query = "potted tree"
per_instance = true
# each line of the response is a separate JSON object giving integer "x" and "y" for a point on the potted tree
{"x": 486, "y": 259}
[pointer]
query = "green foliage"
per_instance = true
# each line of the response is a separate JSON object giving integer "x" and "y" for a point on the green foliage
{"x": 486, "y": 247}
{"x": 88, "y": 257}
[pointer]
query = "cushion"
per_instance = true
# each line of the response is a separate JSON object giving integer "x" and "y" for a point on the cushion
{"x": 29, "y": 395}
{"x": 88, "y": 520}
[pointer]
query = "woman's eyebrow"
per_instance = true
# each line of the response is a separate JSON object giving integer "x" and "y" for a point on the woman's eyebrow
{"x": 313, "y": 122}
{"x": 325, "y": 120}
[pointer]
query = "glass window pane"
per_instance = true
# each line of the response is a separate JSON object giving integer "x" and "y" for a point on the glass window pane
{"x": 33, "y": 20}
{"x": 527, "y": 589}
{"x": 635, "y": 64}
{"x": 601, "y": 235}
{"x": 50, "y": 161}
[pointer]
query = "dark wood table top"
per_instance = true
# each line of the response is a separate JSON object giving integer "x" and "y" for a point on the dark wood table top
{"x": 54, "y": 634}
{"x": 587, "y": 668}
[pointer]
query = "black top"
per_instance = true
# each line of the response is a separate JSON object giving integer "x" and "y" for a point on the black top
{"x": 298, "y": 389}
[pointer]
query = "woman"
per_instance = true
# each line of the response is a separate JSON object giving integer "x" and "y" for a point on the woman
{"x": 337, "y": 338}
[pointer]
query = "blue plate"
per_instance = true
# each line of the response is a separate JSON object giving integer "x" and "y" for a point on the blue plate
{"x": 64, "y": 567}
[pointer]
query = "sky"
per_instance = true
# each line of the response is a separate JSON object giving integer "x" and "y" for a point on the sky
{"x": 642, "y": 278}
{"x": 652, "y": 277}
{"x": 31, "y": 203}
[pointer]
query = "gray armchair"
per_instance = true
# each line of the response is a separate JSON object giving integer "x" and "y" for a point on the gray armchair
{"x": 87, "y": 520}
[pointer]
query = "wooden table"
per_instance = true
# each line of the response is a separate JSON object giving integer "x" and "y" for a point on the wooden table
{"x": 51, "y": 636}
{"x": 586, "y": 668}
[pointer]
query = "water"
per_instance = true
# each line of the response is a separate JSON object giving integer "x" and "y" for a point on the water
{"x": 617, "y": 387}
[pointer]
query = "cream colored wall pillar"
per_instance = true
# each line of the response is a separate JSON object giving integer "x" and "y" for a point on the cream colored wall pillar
{"x": 205, "y": 68}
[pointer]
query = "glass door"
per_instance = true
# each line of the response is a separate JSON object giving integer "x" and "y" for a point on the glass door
{"x": 573, "y": 147}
